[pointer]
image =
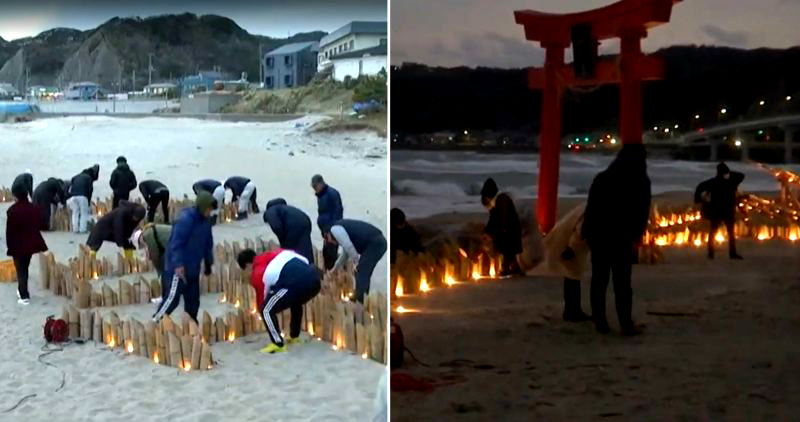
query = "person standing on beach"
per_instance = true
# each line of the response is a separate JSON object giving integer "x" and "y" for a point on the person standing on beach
{"x": 292, "y": 227}
{"x": 244, "y": 192}
{"x": 615, "y": 220}
{"x": 155, "y": 193}
{"x": 123, "y": 181}
{"x": 47, "y": 196}
{"x": 717, "y": 197}
{"x": 566, "y": 253}
{"x": 81, "y": 188}
{"x": 363, "y": 244}
{"x": 403, "y": 236}
{"x": 190, "y": 245}
{"x": 117, "y": 226}
{"x": 24, "y": 183}
{"x": 329, "y": 210}
{"x": 23, "y": 238}
{"x": 216, "y": 190}
{"x": 282, "y": 279}
{"x": 503, "y": 227}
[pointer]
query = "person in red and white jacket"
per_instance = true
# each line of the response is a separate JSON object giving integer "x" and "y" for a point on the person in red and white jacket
{"x": 283, "y": 279}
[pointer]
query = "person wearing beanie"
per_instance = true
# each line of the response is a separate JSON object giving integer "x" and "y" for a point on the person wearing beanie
{"x": 615, "y": 219}
{"x": 123, "y": 181}
{"x": 155, "y": 193}
{"x": 717, "y": 199}
{"x": 363, "y": 244}
{"x": 47, "y": 196}
{"x": 282, "y": 279}
{"x": 81, "y": 188}
{"x": 117, "y": 226}
{"x": 292, "y": 227}
{"x": 24, "y": 183}
{"x": 503, "y": 227}
{"x": 244, "y": 192}
{"x": 23, "y": 238}
{"x": 216, "y": 190}
{"x": 190, "y": 246}
{"x": 329, "y": 211}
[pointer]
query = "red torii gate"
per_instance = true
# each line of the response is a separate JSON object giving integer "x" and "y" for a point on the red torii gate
{"x": 628, "y": 20}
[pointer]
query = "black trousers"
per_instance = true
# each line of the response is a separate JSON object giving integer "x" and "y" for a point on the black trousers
{"x": 21, "y": 264}
{"x": 118, "y": 196}
{"x": 330, "y": 253}
{"x": 572, "y": 296}
{"x": 729, "y": 225}
{"x": 300, "y": 242}
{"x": 162, "y": 198}
{"x": 254, "y": 201}
{"x": 373, "y": 253}
{"x": 616, "y": 261}
{"x": 298, "y": 284}
{"x": 172, "y": 288}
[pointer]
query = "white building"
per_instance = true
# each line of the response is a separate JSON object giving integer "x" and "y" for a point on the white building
{"x": 366, "y": 62}
{"x": 351, "y": 37}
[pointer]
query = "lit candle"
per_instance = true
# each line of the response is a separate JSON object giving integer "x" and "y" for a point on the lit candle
{"x": 398, "y": 290}
{"x": 423, "y": 283}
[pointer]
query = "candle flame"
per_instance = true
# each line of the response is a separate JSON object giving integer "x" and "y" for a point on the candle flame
{"x": 449, "y": 280}
{"x": 94, "y": 275}
{"x": 476, "y": 273}
{"x": 130, "y": 347}
{"x": 492, "y": 271}
{"x": 364, "y": 355}
{"x": 398, "y": 290}
{"x": 236, "y": 305}
{"x": 187, "y": 366}
{"x": 231, "y": 336}
{"x": 310, "y": 329}
{"x": 223, "y": 299}
{"x": 462, "y": 252}
{"x": 155, "y": 357}
{"x": 335, "y": 347}
{"x": 423, "y": 283}
{"x": 400, "y": 309}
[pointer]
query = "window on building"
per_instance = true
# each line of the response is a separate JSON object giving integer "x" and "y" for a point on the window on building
{"x": 352, "y": 44}
{"x": 287, "y": 80}
{"x": 287, "y": 60}
{"x": 268, "y": 81}
{"x": 383, "y": 41}
{"x": 270, "y": 61}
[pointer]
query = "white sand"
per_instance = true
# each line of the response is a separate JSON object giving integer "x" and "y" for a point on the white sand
{"x": 311, "y": 382}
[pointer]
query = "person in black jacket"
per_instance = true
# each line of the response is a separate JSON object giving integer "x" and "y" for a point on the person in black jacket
{"x": 154, "y": 193}
{"x": 362, "y": 243}
{"x": 244, "y": 191}
{"x": 117, "y": 226}
{"x": 216, "y": 190}
{"x": 615, "y": 220}
{"x": 717, "y": 197}
{"x": 123, "y": 181}
{"x": 503, "y": 226}
{"x": 24, "y": 183}
{"x": 403, "y": 237}
{"x": 81, "y": 188}
{"x": 292, "y": 227}
{"x": 329, "y": 211}
{"x": 47, "y": 196}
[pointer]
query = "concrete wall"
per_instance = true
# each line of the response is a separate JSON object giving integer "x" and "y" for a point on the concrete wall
{"x": 202, "y": 104}
{"x": 356, "y": 67}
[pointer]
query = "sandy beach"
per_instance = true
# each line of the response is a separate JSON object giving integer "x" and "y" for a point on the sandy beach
{"x": 501, "y": 348}
{"x": 311, "y": 382}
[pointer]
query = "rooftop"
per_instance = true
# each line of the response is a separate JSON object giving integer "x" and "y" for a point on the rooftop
{"x": 379, "y": 50}
{"x": 355, "y": 27}
{"x": 294, "y": 48}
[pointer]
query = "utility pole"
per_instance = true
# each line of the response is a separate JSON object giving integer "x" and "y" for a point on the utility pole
{"x": 27, "y": 80}
{"x": 260, "y": 64}
{"x": 150, "y": 69}
{"x": 133, "y": 80}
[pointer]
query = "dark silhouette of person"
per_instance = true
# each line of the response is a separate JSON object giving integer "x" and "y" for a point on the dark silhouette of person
{"x": 615, "y": 220}
{"x": 717, "y": 197}
{"x": 503, "y": 226}
{"x": 403, "y": 236}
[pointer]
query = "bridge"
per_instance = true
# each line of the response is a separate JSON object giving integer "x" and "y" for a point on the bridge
{"x": 742, "y": 135}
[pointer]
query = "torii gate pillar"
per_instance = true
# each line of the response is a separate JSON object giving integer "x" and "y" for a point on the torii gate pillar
{"x": 627, "y": 20}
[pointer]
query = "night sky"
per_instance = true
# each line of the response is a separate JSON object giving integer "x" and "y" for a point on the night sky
{"x": 483, "y": 32}
{"x": 276, "y": 18}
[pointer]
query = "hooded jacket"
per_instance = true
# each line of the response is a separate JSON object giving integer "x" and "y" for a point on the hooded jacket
{"x": 83, "y": 183}
{"x": 267, "y": 269}
{"x": 722, "y": 193}
{"x": 291, "y": 225}
{"x": 205, "y": 185}
{"x": 117, "y": 226}
{"x": 122, "y": 179}
{"x": 51, "y": 191}
{"x": 190, "y": 244}
{"x": 23, "y": 183}
{"x": 504, "y": 226}
{"x": 329, "y": 208}
{"x": 156, "y": 237}
{"x": 148, "y": 188}
{"x": 236, "y": 184}
{"x": 22, "y": 229}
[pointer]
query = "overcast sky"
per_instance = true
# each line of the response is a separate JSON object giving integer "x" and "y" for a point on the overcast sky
{"x": 483, "y": 32}
{"x": 276, "y": 18}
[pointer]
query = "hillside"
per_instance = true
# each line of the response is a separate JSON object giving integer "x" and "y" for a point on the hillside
{"x": 110, "y": 53}
{"x": 699, "y": 80}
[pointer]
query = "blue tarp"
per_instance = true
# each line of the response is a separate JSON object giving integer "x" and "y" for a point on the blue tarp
{"x": 17, "y": 109}
{"x": 366, "y": 106}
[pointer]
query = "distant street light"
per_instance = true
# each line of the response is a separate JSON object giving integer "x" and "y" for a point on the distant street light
{"x": 676, "y": 126}
{"x": 655, "y": 128}
{"x": 788, "y": 98}
{"x": 724, "y": 110}
{"x": 666, "y": 130}
{"x": 761, "y": 103}
{"x": 696, "y": 116}
{"x": 738, "y": 143}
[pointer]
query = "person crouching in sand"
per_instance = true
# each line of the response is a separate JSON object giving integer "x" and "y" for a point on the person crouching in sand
{"x": 153, "y": 239}
{"x": 615, "y": 220}
{"x": 23, "y": 238}
{"x": 282, "y": 279}
{"x": 503, "y": 227}
{"x": 117, "y": 226}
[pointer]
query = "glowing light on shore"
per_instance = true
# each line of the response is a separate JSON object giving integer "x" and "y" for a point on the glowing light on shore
{"x": 398, "y": 290}
{"x": 423, "y": 283}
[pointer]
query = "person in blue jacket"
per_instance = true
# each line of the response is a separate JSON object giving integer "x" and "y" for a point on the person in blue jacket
{"x": 292, "y": 227}
{"x": 190, "y": 245}
{"x": 329, "y": 211}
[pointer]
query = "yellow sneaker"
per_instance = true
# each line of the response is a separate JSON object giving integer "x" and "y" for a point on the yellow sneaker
{"x": 297, "y": 340}
{"x": 273, "y": 348}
